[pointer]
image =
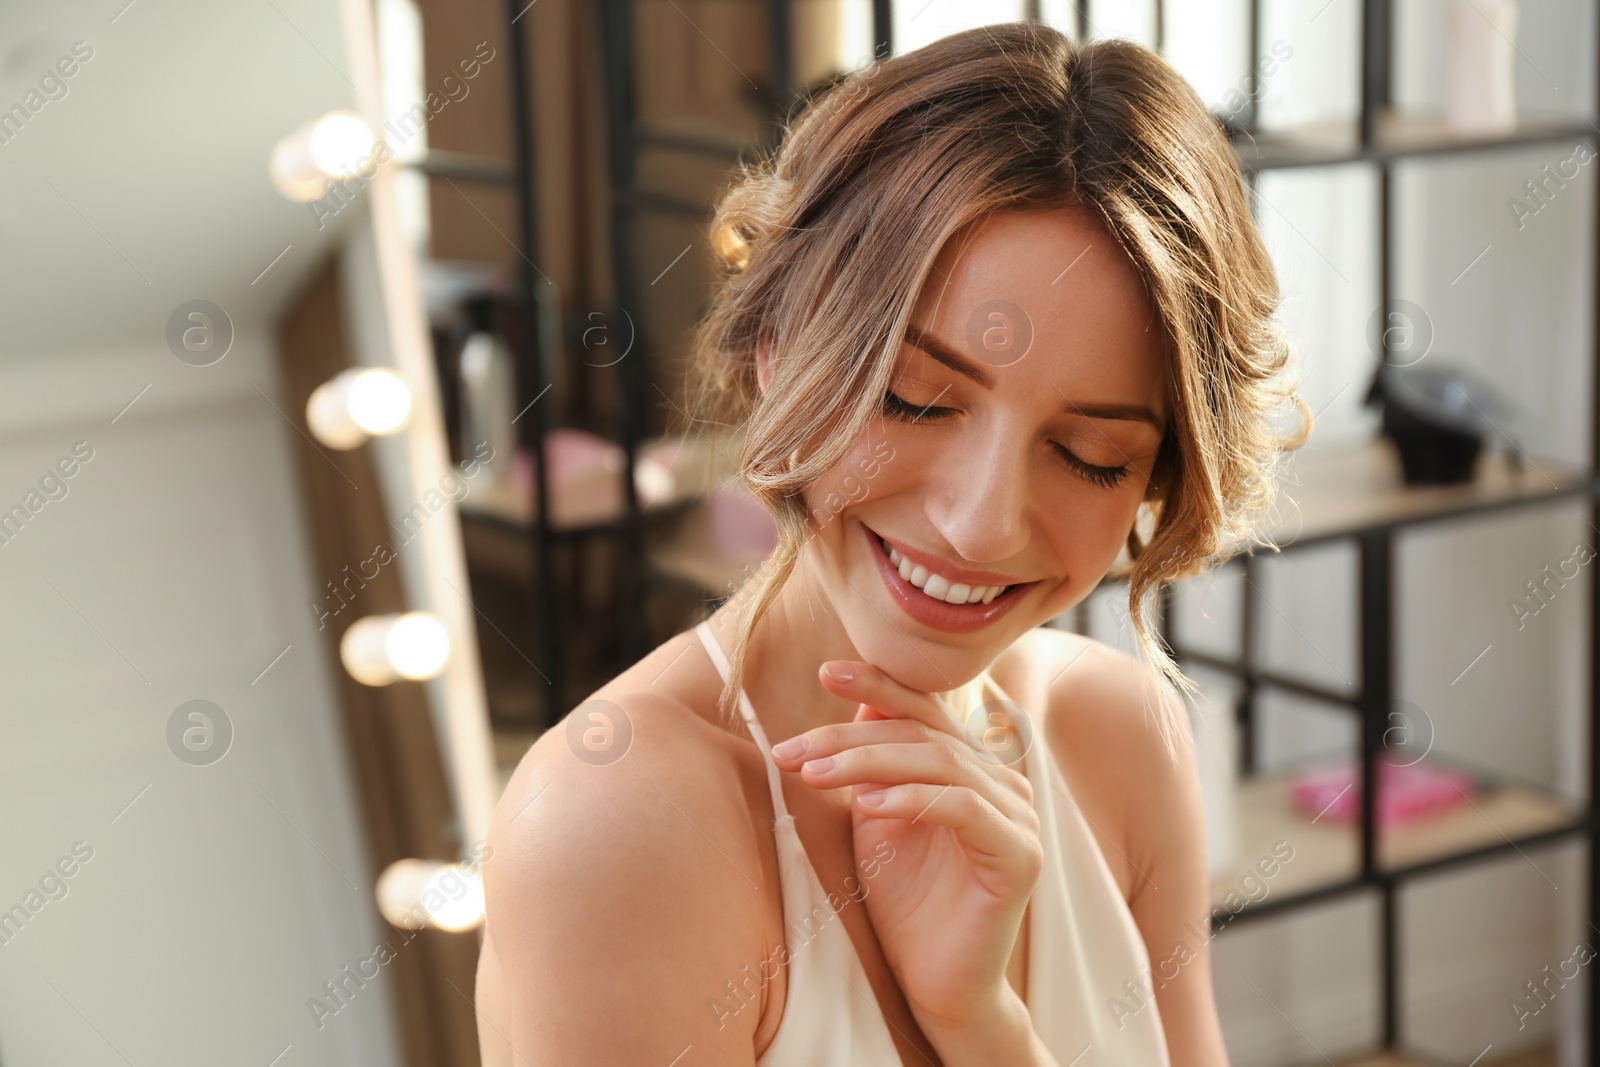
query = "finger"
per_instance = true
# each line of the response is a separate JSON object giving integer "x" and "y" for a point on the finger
{"x": 883, "y": 695}
{"x": 835, "y": 737}
{"x": 997, "y": 743}
{"x": 979, "y": 825}
{"x": 928, "y": 763}
{"x": 867, "y": 713}
{"x": 988, "y": 730}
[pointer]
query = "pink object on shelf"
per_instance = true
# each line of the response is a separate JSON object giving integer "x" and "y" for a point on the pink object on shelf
{"x": 586, "y": 479}
{"x": 1406, "y": 792}
{"x": 568, "y": 453}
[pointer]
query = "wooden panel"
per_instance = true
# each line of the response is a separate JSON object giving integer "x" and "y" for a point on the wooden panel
{"x": 455, "y": 31}
{"x": 474, "y": 223}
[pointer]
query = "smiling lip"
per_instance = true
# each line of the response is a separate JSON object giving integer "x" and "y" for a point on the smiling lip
{"x": 950, "y": 571}
{"x": 938, "y": 614}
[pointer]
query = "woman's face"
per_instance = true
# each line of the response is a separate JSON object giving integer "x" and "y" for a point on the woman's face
{"x": 1026, "y": 414}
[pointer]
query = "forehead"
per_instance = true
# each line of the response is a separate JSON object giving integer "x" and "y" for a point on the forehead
{"x": 1055, "y": 284}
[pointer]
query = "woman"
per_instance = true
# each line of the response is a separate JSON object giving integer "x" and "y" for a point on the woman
{"x": 995, "y": 312}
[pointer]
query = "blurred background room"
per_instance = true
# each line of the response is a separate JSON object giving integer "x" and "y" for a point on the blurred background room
{"x": 345, "y": 448}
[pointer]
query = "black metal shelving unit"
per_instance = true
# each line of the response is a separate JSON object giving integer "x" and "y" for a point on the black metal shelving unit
{"x": 524, "y": 319}
{"x": 530, "y": 344}
{"x": 1377, "y": 142}
{"x": 528, "y": 347}
{"x": 1372, "y": 703}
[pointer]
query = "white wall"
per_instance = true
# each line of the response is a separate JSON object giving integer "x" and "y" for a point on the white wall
{"x": 177, "y": 567}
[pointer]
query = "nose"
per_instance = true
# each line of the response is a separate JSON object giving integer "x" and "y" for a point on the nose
{"x": 978, "y": 495}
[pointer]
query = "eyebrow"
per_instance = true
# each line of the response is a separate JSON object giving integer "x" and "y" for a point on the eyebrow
{"x": 942, "y": 352}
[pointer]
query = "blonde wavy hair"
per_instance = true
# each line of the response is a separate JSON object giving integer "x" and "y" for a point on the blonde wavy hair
{"x": 823, "y": 248}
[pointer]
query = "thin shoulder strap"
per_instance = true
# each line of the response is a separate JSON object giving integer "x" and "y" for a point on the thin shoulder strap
{"x": 774, "y": 778}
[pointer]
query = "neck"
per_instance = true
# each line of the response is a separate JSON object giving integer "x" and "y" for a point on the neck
{"x": 791, "y": 641}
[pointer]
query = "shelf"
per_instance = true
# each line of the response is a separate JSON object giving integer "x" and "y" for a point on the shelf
{"x": 1333, "y": 491}
{"x": 667, "y": 203}
{"x": 1539, "y": 1056}
{"x": 1344, "y": 699}
{"x": 466, "y": 166}
{"x": 695, "y": 136}
{"x": 512, "y": 510}
{"x": 447, "y": 283}
{"x": 1399, "y": 136}
{"x": 1319, "y": 144}
{"x": 1327, "y": 854}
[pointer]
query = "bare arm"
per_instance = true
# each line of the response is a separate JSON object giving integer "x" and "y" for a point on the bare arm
{"x": 621, "y": 902}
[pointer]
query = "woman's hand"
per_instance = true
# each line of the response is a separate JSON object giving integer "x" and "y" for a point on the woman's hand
{"x": 965, "y": 835}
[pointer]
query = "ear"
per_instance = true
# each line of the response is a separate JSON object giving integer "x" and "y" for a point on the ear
{"x": 764, "y": 362}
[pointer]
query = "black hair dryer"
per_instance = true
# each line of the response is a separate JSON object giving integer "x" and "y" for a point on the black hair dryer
{"x": 1438, "y": 416}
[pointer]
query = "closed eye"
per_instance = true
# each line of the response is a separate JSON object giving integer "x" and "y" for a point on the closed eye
{"x": 908, "y": 412}
{"x": 1107, "y": 477}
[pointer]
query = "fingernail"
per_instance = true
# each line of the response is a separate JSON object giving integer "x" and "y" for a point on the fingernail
{"x": 873, "y": 799}
{"x": 818, "y": 766}
{"x": 840, "y": 671}
{"x": 791, "y": 748}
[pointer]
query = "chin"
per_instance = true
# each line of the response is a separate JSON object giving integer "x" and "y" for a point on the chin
{"x": 919, "y": 664}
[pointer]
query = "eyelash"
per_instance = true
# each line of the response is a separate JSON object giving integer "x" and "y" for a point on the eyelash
{"x": 1106, "y": 477}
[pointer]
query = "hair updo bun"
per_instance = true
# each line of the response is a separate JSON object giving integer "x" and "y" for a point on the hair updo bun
{"x": 747, "y": 214}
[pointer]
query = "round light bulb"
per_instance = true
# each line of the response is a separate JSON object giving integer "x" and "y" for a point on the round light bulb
{"x": 413, "y": 894}
{"x": 381, "y": 649}
{"x": 331, "y": 148}
{"x": 399, "y": 892}
{"x": 356, "y": 404}
{"x": 379, "y": 401}
{"x": 417, "y": 645}
{"x": 453, "y": 898}
{"x": 341, "y": 143}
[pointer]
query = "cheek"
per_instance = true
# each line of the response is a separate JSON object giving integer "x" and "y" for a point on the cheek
{"x": 1091, "y": 529}
{"x": 869, "y": 469}
{"x": 1114, "y": 516}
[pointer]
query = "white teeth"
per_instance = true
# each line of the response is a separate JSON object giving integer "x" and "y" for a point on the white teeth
{"x": 941, "y": 588}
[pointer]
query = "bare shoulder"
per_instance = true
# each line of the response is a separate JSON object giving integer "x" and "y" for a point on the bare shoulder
{"x": 1102, "y": 697}
{"x": 1103, "y": 712}
{"x": 644, "y": 742}
{"x": 619, "y": 780}
{"x": 622, "y": 884}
